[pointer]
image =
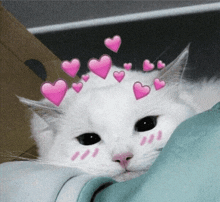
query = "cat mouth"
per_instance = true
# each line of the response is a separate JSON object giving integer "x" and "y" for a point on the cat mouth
{"x": 128, "y": 175}
{"x": 127, "y": 172}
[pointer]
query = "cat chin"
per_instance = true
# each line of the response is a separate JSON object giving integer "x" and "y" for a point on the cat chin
{"x": 127, "y": 176}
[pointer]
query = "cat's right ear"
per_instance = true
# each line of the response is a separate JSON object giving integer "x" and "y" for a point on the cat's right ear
{"x": 174, "y": 71}
{"x": 45, "y": 110}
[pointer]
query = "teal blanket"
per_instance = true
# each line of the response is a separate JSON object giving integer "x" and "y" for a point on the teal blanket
{"x": 187, "y": 170}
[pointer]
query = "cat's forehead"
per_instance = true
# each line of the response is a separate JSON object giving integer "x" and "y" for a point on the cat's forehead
{"x": 108, "y": 96}
{"x": 111, "y": 108}
{"x": 105, "y": 99}
{"x": 116, "y": 101}
{"x": 96, "y": 82}
{"x": 114, "y": 98}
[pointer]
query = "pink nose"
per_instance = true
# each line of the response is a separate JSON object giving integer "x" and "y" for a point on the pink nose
{"x": 123, "y": 158}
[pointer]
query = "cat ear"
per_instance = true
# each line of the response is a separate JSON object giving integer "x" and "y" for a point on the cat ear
{"x": 173, "y": 72}
{"x": 45, "y": 110}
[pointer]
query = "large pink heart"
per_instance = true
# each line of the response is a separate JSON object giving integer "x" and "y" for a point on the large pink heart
{"x": 54, "y": 92}
{"x": 71, "y": 68}
{"x": 100, "y": 67}
{"x": 119, "y": 75}
{"x": 140, "y": 91}
{"x": 147, "y": 66}
{"x": 159, "y": 84}
{"x": 113, "y": 44}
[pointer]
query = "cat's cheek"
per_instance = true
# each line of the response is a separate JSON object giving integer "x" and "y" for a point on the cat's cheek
{"x": 95, "y": 152}
{"x": 85, "y": 154}
{"x": 151, "y": 138}
{"x": 143, "y": 141}
{"x": 159, "y": 135}
{"x": 75, "y": 156}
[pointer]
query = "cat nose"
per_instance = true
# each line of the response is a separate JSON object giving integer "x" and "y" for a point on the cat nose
{"x": 123, "y": 158}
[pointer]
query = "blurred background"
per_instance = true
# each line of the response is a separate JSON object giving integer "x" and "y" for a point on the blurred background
{"x": 40, "y": 13}
{"x": 161, "y": 37}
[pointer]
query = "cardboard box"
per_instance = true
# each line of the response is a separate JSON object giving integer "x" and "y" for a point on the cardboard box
{"x": 154, "y": 35}
{"x": 17, "y": 48}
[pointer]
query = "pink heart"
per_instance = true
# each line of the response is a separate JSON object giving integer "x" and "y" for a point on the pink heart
{"x": 85, "y": 77}
{"x": 101, "y": 67}
{"x": 147, "y": 66}
{"x": 127, "y": 66}
{"x": 159, "y": 84}
{"x": 160, "y": 64}
{"x": 54, "y": 92}
{"x": 140, "y": 91}
{"x": 119, "y": 75}
{"x": 77, "y": 86}
{"x": 71, "y": 68}
{"x": 113, "y": 44}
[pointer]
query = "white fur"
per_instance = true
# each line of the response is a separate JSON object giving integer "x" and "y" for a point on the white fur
{"x": 110, "y": 109}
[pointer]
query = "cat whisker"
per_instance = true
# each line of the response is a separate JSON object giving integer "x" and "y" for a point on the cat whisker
{"x": 13, "y": 156}
{"x": 16, "y": 158}
{"x": 163, "y": 52}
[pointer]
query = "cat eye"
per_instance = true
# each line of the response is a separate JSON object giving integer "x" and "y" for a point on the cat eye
{"x": 145, "y": 124}
{"x": 88, "y": 138}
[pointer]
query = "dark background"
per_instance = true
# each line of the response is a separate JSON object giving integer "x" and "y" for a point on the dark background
{"x": 39, "y": 13}
{"x": 154, "y": 39}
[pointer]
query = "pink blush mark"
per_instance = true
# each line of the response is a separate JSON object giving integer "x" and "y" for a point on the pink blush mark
{"x": 159, "y": 135}
{"x": 143, "y": 141}
{"x": 95, "y": 152}
{"x": 151, "y": 139}
{"x": 75, "y": 156}
{"x": 85, "y": 154}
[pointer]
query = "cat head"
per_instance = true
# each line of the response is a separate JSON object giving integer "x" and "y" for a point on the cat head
{"x": 104, "y": 130}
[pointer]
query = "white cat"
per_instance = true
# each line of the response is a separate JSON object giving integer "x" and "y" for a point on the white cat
{"x": 105, "y": 131}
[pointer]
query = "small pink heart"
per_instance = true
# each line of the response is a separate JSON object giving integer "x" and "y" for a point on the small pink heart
{"x": 71, "y": 68}
{"x": 119, "y": 75}
{"x": 160, "y": 64}
{"x": 101, "y": 67}
{"x": 140, "y": 91}
{"x": 85, "y": 77}
{"x": 113, "y": 44}
{"x": 147, "y": 66}
{"x": 54, "y": 92}
{"x": 77, "y": 86}
{"x": 127, "y": 66}
{"x": 159, "y": 84}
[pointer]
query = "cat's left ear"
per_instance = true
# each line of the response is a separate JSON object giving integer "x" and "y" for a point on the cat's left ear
{"x": 173, "y": 72}
{"x": 45, "y": 110}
